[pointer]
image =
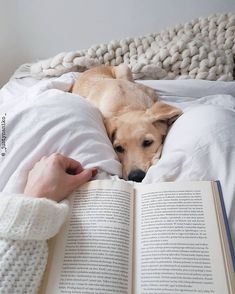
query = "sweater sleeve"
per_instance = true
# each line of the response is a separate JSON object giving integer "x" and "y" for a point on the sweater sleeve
{"x": 28, "y": 218}
{"x": 22, "y": 265}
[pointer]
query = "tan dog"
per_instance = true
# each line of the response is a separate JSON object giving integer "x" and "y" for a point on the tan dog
{"x": 135, "y": 122}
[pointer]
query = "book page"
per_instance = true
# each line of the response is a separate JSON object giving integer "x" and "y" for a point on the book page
{"x": 178, "y": 247}
{"x": 94, "y": 252}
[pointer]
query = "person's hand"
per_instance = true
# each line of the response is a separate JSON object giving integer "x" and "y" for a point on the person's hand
{"x": 56, "y": 176}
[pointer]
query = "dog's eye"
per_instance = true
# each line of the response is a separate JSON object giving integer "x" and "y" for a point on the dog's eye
{"x": 119, "y": 149}
{"x": 147, "y": 143}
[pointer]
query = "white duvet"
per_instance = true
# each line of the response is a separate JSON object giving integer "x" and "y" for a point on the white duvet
{"x": 41, "y": 117}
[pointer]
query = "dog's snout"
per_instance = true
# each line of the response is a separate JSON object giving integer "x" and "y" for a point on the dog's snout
{"x": 136, "y": 175}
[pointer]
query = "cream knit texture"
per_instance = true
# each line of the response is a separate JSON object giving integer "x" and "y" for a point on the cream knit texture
{"x": 201, "y": 49}
{"x": 25, "y": 225}
{"x": 22, "y": 264}
{"x": 29, "y": 218}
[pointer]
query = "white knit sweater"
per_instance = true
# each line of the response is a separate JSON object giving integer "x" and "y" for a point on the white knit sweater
{"x": 25, "y": 225}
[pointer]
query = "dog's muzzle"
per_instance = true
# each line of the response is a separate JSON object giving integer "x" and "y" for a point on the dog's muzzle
{"x": 136, "y": 175}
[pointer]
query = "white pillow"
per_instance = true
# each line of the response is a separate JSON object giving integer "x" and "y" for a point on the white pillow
{"x": 200, "y": 146}
{"x": 53, "y": 121}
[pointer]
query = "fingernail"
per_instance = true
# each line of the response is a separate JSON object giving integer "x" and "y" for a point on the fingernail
{"x": 94, "y": 171}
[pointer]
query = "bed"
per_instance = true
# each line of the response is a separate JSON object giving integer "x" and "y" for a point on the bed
{"x": 42, "y": 117}
{"x": 39, "y": 116}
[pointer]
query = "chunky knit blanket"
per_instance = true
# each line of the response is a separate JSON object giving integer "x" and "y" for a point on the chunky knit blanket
{"x": 201, "y": 49}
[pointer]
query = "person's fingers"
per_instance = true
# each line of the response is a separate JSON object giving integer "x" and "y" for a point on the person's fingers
{"x": 81, "y": 178}
{"x": 69, "y": 165}
{"x": 72, "y": 166}
{"x": 94, "y": 171}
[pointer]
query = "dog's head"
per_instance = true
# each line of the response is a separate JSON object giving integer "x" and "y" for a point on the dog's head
{"x": 137, "y": 137}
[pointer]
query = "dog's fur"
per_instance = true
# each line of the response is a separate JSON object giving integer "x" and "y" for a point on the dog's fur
{"x": 136, "y": 123}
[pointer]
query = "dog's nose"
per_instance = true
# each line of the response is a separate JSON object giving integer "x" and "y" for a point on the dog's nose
{"x": 136, "y": 175}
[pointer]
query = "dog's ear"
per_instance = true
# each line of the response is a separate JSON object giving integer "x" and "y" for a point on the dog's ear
{"x": 110, "y": 124}
{"x": 163, "y": 112}
{"x": 122, "y": 71}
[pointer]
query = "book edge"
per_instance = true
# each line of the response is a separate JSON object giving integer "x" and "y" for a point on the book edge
{"x": 226, "y": 224}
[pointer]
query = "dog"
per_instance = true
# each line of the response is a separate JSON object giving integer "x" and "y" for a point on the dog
{"x": 136, "y": 122}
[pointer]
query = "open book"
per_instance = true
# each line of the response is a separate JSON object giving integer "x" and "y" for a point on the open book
{"x": 163, "y": 238}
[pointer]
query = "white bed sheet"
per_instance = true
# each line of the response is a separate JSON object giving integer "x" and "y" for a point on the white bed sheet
{"x": 42, "y": 118}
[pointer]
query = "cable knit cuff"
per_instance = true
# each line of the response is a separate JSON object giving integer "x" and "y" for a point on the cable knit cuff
{"x": 28, "y": 218}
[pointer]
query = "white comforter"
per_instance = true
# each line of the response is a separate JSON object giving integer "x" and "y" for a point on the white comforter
{"x": 39, "y": 118}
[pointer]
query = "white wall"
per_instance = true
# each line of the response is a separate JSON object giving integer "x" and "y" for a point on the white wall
{"x": 31, "y": 30}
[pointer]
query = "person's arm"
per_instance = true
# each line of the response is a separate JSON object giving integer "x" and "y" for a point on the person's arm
{"x": 28, "y": 220}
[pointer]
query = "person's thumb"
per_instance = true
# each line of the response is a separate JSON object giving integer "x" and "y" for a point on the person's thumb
{"x": 81, "y": 178}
